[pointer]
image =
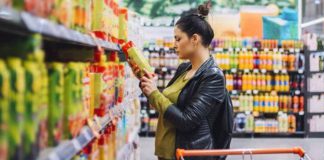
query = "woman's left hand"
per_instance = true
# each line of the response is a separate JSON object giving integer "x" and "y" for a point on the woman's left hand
{"x": 148, "y": 83}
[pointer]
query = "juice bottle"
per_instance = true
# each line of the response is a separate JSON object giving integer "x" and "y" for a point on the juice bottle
{"x": 269, "y": 58}
{"x": 277, "y": 83}
{"x": 235, "y": 59}
{"x": 262, "y": 103}
{"x": 251, "y": 61}
{"x": 241, "y": 60}
{"x": 32, "y": 76}
{"x": 239, "y": 82}
{"x": 259, "y": 82}
{"x": 55, "y": 114}
{"x": 291, "y": 62}
{"x": 4, "y": 109}
{"x": 295, "y": 104}
{"x": 250, "y": 103}
{"x": 289, "y": 104}
{"x": 281, "y": 82}
{"x": 285, "y": 60}
{"x": 16, "y": 108}
{"x": 244, "y": 82}
{"x": 279, "y": 61}
{"x": 262, "y": 60}
{"x": 256, "y": 60}
{"x": 286, "y": 83}
{"x": 226, "y": 61}
{"x": 276, "y": 103}
{"x": 263, "y": 82}
{"x": 267, "y": 103}
{"x": 268, "y": 82}
{"x": 256, "y": 103}
{"x": 254, "y": 81}
{"x": 275, "y": 61}
{"x": 249, "y": 82}
{"x": 292, "y": 123}
{"x": 301, "y": 104}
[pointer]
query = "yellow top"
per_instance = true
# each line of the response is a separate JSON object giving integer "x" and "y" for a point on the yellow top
{"x": 165, "y": 134}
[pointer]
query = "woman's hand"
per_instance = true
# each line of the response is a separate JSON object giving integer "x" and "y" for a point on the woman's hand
{"x": 148, "y": 83}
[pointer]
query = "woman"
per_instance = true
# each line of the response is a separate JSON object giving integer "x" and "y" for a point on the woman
{"x": 193, "y": 100}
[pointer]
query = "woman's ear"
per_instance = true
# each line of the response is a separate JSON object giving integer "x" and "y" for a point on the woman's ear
{"x": 195, "y": 39}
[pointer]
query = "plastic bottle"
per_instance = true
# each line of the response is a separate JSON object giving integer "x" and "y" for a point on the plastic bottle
{"x": 256, "y": 103}
{"x": 256, "y": 60}
{"x": 249, "y": 82}
{"x": 277, "y": 83}
{"x": 250, "y": 108}
{"x": 262, "y": 103}
{"x": 263, "y": 82}
{"x": 268, "y": 82}
{"x": 259, "y": 82}
{"x": 289, "y": 104}
{"x": 267, "y": 103}
{"x": 240, "y": 81}
{"x": 263, "y": 60}
{"x": 292, "y": 123}
{"x": 301, "y": 104}
{"x": 285, "y": 63}
{"x": 250, "y": 60}
{"x": 296, "y": 104}
{"x": 291, "y": 62}
{"x": 269, "y": 58}
{"x": 286, "y": 83}
{"x": 254, "y": 81}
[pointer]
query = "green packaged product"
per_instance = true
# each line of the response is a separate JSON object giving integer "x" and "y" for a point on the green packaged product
{"x": 72, "y": 100}
{"x": 31, "y": 119}
{"x": 134, "y": 55}
{"x": 16, "y": 108}
{"x": 55, "y": 113}
{"x": 4, "y": 113}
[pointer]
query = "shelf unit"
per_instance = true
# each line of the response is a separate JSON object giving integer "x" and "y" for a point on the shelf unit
{"x": 20, "y": 24}
{"x": 23, "y": 23}
{"x": 309, "y": 94}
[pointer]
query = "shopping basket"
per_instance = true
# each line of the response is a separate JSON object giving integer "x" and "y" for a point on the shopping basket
{"x": 181, "y": 153}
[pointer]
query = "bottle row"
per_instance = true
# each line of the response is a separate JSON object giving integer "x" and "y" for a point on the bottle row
{"x": 255, "y": 43}
{"x": 282, "y": 124}
{"x": 264, "y": 82}
{"x": 163, "y": 59}
{"x": 85, "y": 16}
{"x": 268, "y": 103}
{"x": 43, "y": 104}
{"x": 260, "y": 60}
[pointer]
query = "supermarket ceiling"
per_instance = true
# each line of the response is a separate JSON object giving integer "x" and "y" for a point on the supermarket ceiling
{"x": 173, "y": 8}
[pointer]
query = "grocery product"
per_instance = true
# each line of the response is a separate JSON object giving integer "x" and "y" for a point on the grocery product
{"x": 55, "y": 107}
{"x": 4, "y": 109}
{"x": 31, "y": 114}
{"x": 123, "y": 28}
{"x": 16, "y": 108}
{"x": 133, "y": 54}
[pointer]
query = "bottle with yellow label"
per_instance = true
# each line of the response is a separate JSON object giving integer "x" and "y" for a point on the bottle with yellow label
{"x": 4, "y": 109}
{"x": 256, "y": 103}
{"x": 269, "y": 82}
{"x": 17, "y": 110}
{"x": 263, "y": 82}
{"x": 277, "y": 83}
{"x": 286, "y": 83}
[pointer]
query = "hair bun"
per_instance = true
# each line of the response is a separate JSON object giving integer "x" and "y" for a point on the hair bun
{"x": 203, "y": 9}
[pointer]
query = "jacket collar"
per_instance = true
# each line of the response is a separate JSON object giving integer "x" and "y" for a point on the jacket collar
{"x": 207, "y": 64}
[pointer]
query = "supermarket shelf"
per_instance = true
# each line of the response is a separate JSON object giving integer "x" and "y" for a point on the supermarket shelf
{"x": 268, "y": 135}
{"x": 315, "y": 93}
{"x": 257, "y": 49}
{"x": 132, "y": 143}
{"x": 316, "y": 113}
{"x": 270, "y": 113}
{"x": 276, "y": 71}
{"x": 23, "y": 23}
{"x": 68, "y": 149}
{"x": 315, "y": 72}
{"x": 316, "y": 134}
{"x": 234, "y": 92}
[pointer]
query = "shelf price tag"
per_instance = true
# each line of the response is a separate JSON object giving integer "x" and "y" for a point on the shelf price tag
{"x": 301, "y": 113}
{"x": 275, "y": 49}
{"x": 255, "y": 91}
{"x": 266, "y": 49}
{"x": 237, "y": 49}
{"x": 297, "y": 50}
{"x": 234, "y": 91}
{"x": 256, "y": 70}
{"x": 244, "y": 49}
{"x": 230, "y": 49}
{"x": 254, "y": 49}
{"x": 281, "y": 50}
{"x": 248, "y": 91}
{"x": 300, "y": 71}
{"x": 275, "y": 71}
{"x": 291, "y": 50}
{"x": 263, "y": 71}
{"x": 284, "y": 71}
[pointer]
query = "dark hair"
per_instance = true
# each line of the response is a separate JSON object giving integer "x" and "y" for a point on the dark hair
{"x": 197, "y": 24}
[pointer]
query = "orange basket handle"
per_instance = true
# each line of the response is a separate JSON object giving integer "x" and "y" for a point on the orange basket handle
{"x": 222, "y": 152}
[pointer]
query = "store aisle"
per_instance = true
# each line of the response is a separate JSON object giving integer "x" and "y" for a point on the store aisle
{"x": 315, "y": 147}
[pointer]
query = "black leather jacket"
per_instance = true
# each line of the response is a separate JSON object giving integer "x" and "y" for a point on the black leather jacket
{"x": 199, "y": 104}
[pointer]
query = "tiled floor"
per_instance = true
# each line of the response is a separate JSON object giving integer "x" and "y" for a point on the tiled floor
{"x": 314, "y": 147}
